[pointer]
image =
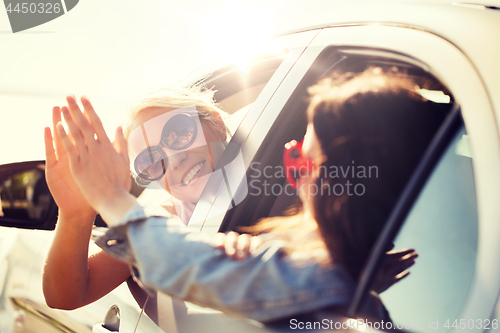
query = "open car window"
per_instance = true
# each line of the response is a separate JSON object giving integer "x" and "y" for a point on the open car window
{"x": 442, "y": 227}
{"x": 268, "y": 192}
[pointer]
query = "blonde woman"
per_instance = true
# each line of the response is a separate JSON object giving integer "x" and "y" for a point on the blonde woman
{"x": 175, "y": 138}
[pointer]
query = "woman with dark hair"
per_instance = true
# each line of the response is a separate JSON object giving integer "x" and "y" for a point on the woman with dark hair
{"x": 369, "y": 120}
{"x": 373, "y": 119}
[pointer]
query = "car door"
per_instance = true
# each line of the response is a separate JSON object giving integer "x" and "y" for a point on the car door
{"x": 452, "y": 219}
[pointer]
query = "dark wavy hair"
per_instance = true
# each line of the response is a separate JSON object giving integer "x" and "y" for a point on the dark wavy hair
{"x": 373, "y": 119}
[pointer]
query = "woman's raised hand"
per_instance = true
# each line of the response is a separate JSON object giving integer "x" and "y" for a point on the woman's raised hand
{"x": 395, "y": 268}
{"x": 100, "y": 168}
{"x": 68, "y": 197}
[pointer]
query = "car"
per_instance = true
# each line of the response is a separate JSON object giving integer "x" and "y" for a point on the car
{"x": 448, "y": 211}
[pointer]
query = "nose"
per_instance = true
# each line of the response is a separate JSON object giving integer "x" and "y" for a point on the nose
{"x": 176, "y": 159}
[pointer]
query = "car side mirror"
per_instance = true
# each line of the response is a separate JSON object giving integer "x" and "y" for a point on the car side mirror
{"x": 111, "y": 321}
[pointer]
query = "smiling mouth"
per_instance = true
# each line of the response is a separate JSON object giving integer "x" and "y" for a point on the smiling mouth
{"x": 192, "y": 173}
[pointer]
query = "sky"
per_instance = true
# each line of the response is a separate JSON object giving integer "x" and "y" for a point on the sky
{"x": 114, "y": 52}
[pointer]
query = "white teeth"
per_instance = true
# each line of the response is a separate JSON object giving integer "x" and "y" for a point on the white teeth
{"x": 192, "y": 173}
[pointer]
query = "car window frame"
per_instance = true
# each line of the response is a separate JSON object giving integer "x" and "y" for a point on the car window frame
{"x": 403, "y": 206}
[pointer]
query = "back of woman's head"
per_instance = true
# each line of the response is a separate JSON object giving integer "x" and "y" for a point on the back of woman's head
{"x": 373, "y": 129}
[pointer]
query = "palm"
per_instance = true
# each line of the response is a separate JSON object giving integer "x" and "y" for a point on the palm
{"x": 63, "y": 187}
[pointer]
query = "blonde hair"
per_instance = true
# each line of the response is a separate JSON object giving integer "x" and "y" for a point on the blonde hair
{"x": 197, "y": 95}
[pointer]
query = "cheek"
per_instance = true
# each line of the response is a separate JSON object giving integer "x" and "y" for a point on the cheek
{"x": 213, "y": 141}
{"x": 310, "y": 146}
{"x": 307, "y": 190}
{"x": 164, "y": 184}
{"x": 209, "y": 153}
{"x": 215, "y": 152}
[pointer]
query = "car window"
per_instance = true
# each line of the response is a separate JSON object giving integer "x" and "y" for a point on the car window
{"x": 238, "y": 86}
{"x": 268, "y": 193}
{"x": 25, "y": 196}
{"x": 442, "y": 227}
{"x": 18, "y": 200}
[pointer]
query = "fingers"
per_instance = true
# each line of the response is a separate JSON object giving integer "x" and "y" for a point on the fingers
{"x": 230, "y": 244}
{"x": 401, "y": 276}
{"x": 405, "y": 264}
{"x": 396, "y": 267}
{"x": 219, "y": 240}
{"x": 393, "y": 256}
{"x": 67, "y": 144}
{"x": 255, "y": 242}
{"x": 56, "y": 118}
{"x": 400, "y": 253}
{"x": 243, "y": 246}
{"x": 120, "y": 144}
{"x": 94, "y": 120}
{"x": 50, "y": 153}
{"x": 80, "y": 120}
{"x": 74, "y": 132}
{"x": 235, "y": 245}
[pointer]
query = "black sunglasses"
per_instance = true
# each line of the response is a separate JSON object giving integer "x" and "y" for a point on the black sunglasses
{"x": 178, "y": 133}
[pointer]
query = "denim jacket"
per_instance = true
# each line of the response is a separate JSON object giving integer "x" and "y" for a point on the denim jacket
{"x": 266, "y": 286}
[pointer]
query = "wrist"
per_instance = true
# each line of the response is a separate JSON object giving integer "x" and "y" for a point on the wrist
{"x": 75, "y": 226}
{"x": 80, "y": 217}
{"x": 115, "y": 205}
